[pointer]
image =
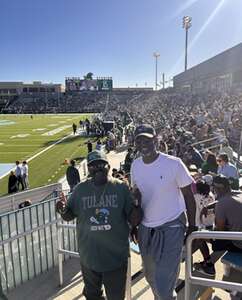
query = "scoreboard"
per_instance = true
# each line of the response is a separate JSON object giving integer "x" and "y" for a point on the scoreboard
{"x": 75, "y": 84}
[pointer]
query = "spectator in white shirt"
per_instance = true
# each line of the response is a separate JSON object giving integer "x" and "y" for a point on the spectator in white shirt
{"x": 25, "y": 174}
{"x": 19, "y": 175}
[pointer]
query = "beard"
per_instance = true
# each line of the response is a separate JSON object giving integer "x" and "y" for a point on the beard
{"x": 100, "y": 176}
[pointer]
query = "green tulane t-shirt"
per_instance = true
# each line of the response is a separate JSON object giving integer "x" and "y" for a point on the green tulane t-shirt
{"x": 102, "y": 227}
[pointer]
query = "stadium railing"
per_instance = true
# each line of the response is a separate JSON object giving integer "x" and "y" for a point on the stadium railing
{"x": 191, "y": 279}
{"x": 28, "y": 243}
{"x": 213, "y": 143}
{"x": 62, "y": 251}
{"x": 11, "y": 202}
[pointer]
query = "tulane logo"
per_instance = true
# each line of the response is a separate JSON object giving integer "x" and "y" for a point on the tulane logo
{"x": 100, "y": 220}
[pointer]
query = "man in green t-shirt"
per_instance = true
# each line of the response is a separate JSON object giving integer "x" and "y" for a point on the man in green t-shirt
{"x": 103, "y": 207}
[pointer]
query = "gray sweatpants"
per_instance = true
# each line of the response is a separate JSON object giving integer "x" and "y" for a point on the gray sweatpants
{"x": 161, "y": 249}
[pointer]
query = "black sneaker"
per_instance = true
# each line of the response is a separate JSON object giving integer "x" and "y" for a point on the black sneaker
{"x": 205, "y": 268}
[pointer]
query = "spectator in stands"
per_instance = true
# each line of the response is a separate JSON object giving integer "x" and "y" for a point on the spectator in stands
{"x": 103, "y": 207}
{"x": 25, "y": 171}
{"x": 72, "y": 175}
{"x": 210, "y": 164}
{"x": 128, "y": 160}
{"x": 12, "y": 183}
{"x": 228, "y": 170}
{"x": 163, "y": 147}
{"x": 164, "y": 185}
{"x": 177, "y": 151}
{"x": 228, "y": 212}
{"x": 194, "y": 156}
{"x": 203, "y": 197}
{"x": 227, "y": 149}
{"x": 99, "y": 145}
{"x": 19, "y": 175}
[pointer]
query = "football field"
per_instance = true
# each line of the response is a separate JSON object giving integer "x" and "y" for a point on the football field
{"x": 23, "y": 137}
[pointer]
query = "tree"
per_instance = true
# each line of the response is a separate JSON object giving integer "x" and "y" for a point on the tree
{"x": 88, "y": 76}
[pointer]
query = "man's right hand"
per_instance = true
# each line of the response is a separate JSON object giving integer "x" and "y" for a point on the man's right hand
{"x": 61, "y": 204}
{"x": 134, "y": 235}
{"x": 137, "y": 195}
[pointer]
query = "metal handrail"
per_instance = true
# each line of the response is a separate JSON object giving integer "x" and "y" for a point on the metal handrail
{"x": 190, "y": 279}
{"x": 62, "y": 252}
{"x": 205, "y": 141}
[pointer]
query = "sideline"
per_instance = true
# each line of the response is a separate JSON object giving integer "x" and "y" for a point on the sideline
{"x": 42, "y": 151}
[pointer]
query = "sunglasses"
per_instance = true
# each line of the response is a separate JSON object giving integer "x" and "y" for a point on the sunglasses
{"x": 219, "y": 160}
{"x": 100, "y": 165}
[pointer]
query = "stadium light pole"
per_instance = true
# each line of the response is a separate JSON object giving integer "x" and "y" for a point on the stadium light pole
{"x": 156, "y": 56}
{"x": 187, "y": 23}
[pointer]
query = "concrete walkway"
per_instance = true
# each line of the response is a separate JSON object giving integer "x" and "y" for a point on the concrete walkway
{"x": 114, "y": 158}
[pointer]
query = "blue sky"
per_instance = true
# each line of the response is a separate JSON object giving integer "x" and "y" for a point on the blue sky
{"x": 48, "y": 40}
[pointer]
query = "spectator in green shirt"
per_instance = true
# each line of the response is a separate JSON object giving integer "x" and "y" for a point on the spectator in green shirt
{"x": 103, "y": 207}
{"x": 210, "y": 164}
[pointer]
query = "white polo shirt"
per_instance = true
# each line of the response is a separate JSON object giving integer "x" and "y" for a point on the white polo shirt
{"x": 159, "y": 184}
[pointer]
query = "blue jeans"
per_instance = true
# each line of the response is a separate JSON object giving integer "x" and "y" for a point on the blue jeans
{"x": 161, "y": 250}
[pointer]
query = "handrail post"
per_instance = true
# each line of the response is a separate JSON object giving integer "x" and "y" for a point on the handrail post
{"x": 191, "y": 279}
{"x": 188, "y": 267}
{"x": 128, "y": 280}
{"x": 60, "y": 255}
{"x": 13, "y": 203}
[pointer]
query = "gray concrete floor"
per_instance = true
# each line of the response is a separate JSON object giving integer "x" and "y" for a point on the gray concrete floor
{"x": 46, "y": 286}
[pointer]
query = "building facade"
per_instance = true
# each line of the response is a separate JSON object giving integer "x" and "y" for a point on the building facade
{"x": 219, "y": 73}
{"x": 18, "y": 88}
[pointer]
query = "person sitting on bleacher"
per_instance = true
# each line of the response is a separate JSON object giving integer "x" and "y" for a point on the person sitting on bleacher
{"x": 203, "y": 197}
{"x": 228, "y": 212}
{"x": 228, "y": 170}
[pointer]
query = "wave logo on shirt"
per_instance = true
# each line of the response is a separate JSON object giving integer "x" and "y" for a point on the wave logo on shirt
{"x": 100, "y": 220}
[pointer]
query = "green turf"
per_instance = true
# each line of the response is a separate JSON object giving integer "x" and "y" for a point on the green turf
{"x": 48, "y": 167}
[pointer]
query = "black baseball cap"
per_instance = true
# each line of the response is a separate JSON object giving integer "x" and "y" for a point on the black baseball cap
{"x": 221, "y": 181}
{"x": 145, "y": 130}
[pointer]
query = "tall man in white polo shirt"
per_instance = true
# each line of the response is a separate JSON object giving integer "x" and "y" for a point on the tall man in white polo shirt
{"x": 164, "y": 184}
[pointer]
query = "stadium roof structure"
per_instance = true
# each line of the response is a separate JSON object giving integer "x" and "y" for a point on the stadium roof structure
{"x": 221, "y": 71}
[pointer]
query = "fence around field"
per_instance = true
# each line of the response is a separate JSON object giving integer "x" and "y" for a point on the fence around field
{"x": 28, "y": 236}
{"x": 28, "y": 243}
{"x": 11, "y": 202}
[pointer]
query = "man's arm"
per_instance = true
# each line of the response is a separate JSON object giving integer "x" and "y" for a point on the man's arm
{"x": 190, "y": 205}
{"x": 136, "y": 214}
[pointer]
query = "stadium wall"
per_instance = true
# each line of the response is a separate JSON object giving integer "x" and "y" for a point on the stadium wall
{"x": 18, "y": 88}
{"x": 219, "y": 73}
